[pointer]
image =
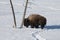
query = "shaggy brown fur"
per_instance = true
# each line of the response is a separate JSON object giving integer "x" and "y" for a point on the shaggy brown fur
{"x": 35, "y": 20}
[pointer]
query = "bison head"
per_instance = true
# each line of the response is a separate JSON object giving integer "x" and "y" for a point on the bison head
{"x": 26, "y": 22}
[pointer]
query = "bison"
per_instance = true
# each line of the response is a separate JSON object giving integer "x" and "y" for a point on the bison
{"x": 34, "y": 20}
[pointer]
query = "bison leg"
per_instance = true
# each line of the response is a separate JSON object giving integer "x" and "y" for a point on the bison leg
{"x": 32, "y": 26}
{"x": 42, "y": 26}
{"x": 26, "y": 26}
{"x": 37, "y": 26}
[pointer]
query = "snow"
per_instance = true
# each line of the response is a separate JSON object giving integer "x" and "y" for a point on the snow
{"x": 48, "y": 8}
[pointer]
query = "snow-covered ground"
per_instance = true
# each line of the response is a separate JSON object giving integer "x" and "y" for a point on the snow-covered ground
{"x": 48, "y": 8}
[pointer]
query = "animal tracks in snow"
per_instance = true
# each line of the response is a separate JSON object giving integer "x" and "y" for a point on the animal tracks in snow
{"x": 38, "y": 36}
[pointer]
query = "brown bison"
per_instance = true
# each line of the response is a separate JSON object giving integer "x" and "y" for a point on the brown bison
{"x": 35, "y": 20}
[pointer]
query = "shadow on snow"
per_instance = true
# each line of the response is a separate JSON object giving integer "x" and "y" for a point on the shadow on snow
{"x": 53, "y": 27}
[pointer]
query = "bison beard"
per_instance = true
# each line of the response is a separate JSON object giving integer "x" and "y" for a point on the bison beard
{"x": 34, "y": 21}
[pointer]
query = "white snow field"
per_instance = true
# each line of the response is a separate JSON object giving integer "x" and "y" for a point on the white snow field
{"x": 48, "y": 8}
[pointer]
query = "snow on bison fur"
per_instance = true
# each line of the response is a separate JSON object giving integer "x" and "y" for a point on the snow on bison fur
{"x": 34, "y": 20}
